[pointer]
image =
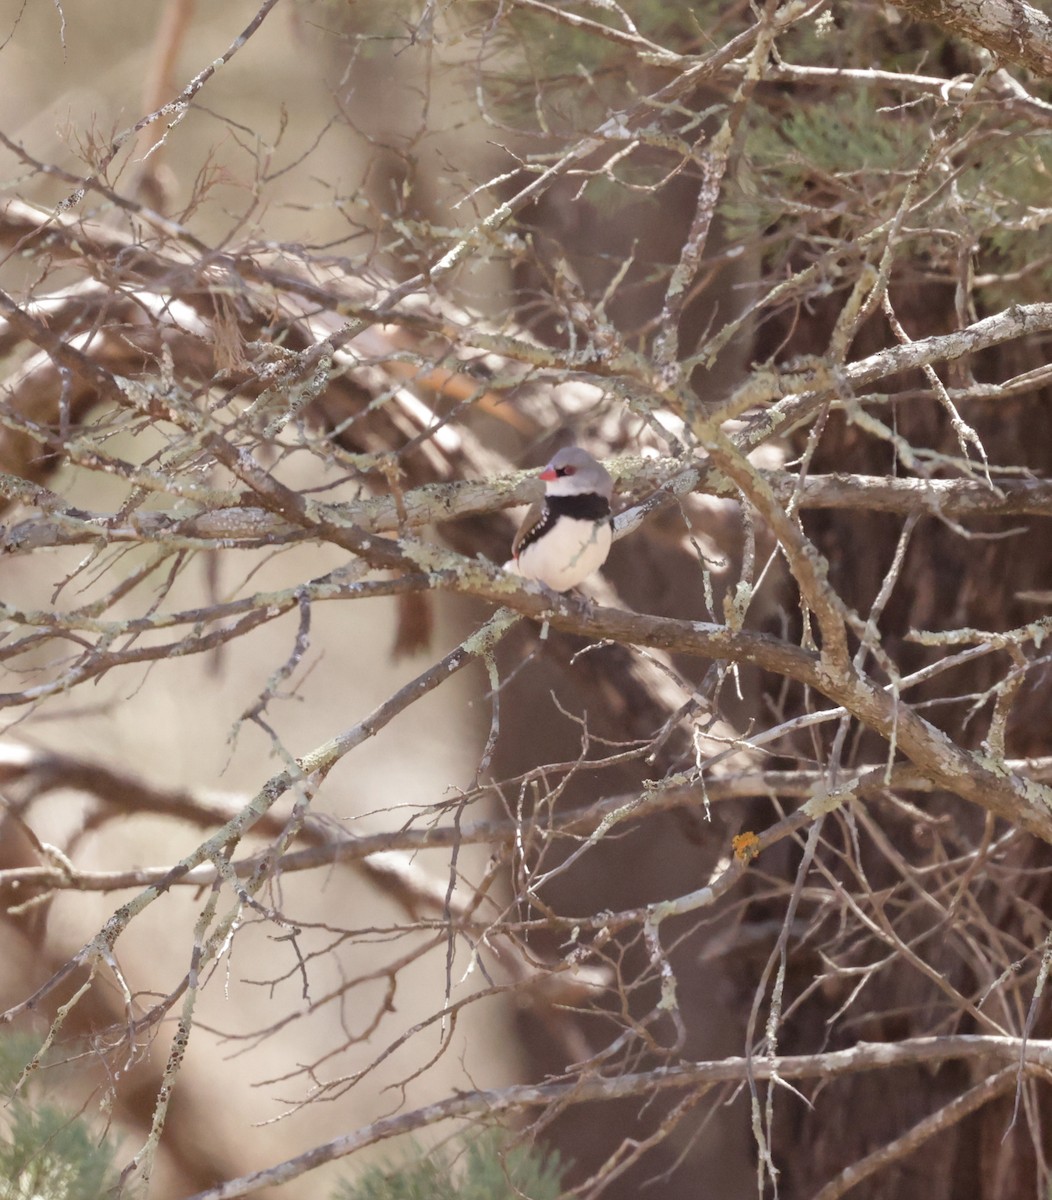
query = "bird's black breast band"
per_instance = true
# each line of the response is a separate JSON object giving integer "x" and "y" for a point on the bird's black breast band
{"x": 589, "y": 507}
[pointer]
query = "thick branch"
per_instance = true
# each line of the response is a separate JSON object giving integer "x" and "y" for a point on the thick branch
{"x": 983, "y": 781}
{"x": 866, "y": 1056}
{"x": 1011, "y": 30}
{"x": 43, "y": 771}
{"x": 250, "y": 528}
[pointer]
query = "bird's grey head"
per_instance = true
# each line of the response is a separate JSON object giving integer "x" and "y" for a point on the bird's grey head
{"x": 574, "y": 472}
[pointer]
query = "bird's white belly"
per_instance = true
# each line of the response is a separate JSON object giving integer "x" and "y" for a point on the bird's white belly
{"x": 567, "y": 554}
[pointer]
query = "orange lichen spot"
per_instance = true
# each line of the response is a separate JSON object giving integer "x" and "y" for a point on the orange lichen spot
{"x": 746, "y": 846}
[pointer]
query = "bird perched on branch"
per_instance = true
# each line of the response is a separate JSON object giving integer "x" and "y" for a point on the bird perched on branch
{"x": 567, "y": 536}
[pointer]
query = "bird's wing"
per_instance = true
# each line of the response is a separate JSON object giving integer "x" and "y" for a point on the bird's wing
{"x": 532, "y": 519}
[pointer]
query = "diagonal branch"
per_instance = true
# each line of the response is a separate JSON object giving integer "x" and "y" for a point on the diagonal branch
{"x": 1012, "y": 30}
{"x": 958, "y": 1108}
{"x": 865, "y": 1056}
{"x": 980, "y": 779}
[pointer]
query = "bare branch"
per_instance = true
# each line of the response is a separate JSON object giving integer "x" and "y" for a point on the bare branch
{"x": 1012, "y": 30}
{"x": 863, "y": 1057}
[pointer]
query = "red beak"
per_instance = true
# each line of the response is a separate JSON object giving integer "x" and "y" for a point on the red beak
{"x": 548, "y": 474}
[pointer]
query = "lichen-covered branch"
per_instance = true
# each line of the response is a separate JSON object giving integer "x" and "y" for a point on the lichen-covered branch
{"x": 1013, "y": 31}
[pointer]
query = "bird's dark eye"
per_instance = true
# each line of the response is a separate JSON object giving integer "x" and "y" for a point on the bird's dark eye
{"x": 565, "y": 470}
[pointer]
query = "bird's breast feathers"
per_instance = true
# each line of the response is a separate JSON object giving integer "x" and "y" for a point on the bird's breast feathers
{"x": 562, "y": 551}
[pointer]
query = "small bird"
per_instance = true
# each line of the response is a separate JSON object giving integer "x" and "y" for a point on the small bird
{"x": 567, "y": 536}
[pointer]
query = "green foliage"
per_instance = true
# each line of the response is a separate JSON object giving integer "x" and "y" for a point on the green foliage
{"x": 488, "y": 1169}
{"x": 45, "y": 1153}
{"x": 864, "y": 37}
{"x": 843, "y": 160}
{"x": 49, "y": 1155}
{"x": 1004, "y": 194}
{"x": 15, "y": 1051}
{"x": 552, "y": 75}
{"x": 831, "y": 172}
{"x": 845, "y": 137}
